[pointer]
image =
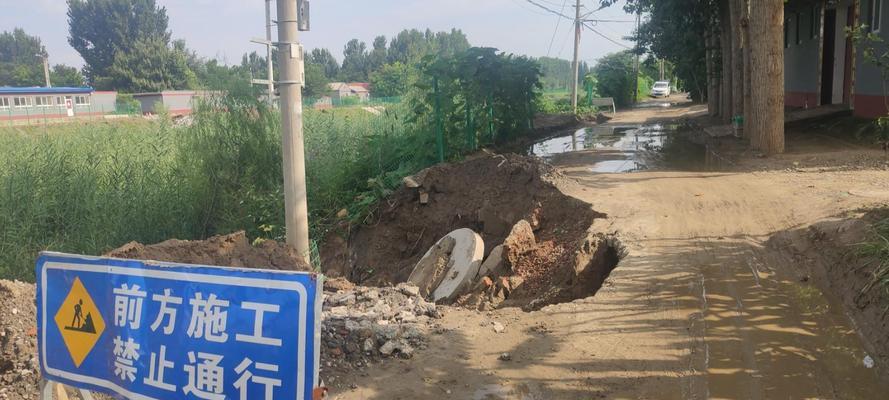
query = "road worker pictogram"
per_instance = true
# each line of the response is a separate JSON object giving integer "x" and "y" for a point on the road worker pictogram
{"x": 79, "y": 322}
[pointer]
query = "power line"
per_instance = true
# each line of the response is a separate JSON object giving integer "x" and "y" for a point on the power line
{"x": 606, "y": 37}
{"x": 549, "y": 10}
{"x": 558, "y": 22}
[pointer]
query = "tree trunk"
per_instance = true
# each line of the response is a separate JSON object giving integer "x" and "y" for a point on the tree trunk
{"x": 745, "y": 34}
{"x": 736, "y": 9}
{"x": 725, "y": 49}
{"x": 712, "y": 78}
{"x": 766, "y": 115}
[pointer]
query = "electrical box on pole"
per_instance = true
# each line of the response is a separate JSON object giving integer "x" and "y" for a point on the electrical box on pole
{"x": 302, "y": 8}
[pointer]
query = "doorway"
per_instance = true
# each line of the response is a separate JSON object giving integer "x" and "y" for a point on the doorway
{"x": 828, "y": 56}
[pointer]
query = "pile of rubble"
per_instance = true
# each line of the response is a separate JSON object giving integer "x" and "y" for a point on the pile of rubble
{"x": 19, "y": 368}
{"x": 362, "y": 325}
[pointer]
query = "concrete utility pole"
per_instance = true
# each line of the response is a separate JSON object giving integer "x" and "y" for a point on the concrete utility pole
{"x": 636, "y": 64}
{"x": 46, "y": 70}
{"x": 290, "y": 62}
{"x": 270, "y": 70}
{"x": 576, "y": 65}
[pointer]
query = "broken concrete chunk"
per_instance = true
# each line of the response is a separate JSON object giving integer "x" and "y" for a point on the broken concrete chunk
{"x": 465, "y": 262}
{"x": 430, "y": 270}
{"x": 410, "y": 182}
{"x": 493, "y": 265}
{"x": 450, "y": 266}
{"x": 520, "y": 240}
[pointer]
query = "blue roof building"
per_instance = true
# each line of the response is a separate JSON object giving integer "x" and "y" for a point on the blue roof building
{"x": 42, "y": 104}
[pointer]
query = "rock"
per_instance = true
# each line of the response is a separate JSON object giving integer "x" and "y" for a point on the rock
{"x": 340, "y": 311}
{"x": 368, "y": 345}
{"x": 342, "y": 214}
{"x": 408, "y": 289}
{"x": 410, "y": 182}
{"x": 504, "y": 357}
{"x": 520, "y": 240}
{"x": 493, "y": 265}
{"x": 388, "y": 348}
{"x": 498, "y": 327}
{"x": 424, "y": 198}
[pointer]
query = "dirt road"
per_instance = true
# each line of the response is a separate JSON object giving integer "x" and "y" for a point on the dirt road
{"x": 699, "y": 309}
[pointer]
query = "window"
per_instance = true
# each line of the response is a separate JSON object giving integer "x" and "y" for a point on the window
{"x": 59, "y": 101}
{"x": 4, "y": 102}
{"x": 43, "y": 101}
{"x": 814, "y": 30}
{"x": 82, "y": 100}
{"x": 875, "y": 17}
{"x": 21, "y": 102}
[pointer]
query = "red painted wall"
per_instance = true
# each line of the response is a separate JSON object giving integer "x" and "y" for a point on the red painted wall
{"x": 870, "y": 106}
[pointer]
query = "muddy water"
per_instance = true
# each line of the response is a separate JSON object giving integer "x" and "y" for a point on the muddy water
{"x": 625, "y": 148}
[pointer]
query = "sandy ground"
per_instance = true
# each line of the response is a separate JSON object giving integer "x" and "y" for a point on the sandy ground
{"x": 699, "y": 309}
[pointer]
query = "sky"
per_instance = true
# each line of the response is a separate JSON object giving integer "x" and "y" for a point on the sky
{"x": 222, "y": 29}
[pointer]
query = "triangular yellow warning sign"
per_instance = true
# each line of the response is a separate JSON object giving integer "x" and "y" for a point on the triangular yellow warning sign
{"x": 79, "y": 322}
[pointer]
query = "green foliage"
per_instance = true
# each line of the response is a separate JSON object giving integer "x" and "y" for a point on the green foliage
{"x": 614, "y": 74}
{"x": 484, "y": 96}
{"x": 675, "y": 31}
{"x": 316, "y": 82}
{"x": 20, "y": 59}
{"x": 558, "y": 73}
{"x": 877, "y": 248}
{"x": 106, "y": 32}
{"x": 63, "y": 75}
{"x": 392, "y": 80}
{"x": 323, "y": 58}
{"x": 150, "y": 65}
{"x": 355, "y": 65}
{"x": 127, "y": 104}
{"x": 874, "y": 52}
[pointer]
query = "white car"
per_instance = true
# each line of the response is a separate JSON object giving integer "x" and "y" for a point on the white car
{"x": 660, "y": 89}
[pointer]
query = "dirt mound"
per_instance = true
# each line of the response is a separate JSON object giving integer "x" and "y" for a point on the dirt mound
{"x": 19, "y": 369}
{"x": 233, "y": 250}
{"x": 488, "y": 193}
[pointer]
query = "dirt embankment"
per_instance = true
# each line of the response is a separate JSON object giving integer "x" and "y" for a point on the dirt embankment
{"x": 233, "y": 250}
{"x": 488, "y": 193}
{"x": 830, "y": 253}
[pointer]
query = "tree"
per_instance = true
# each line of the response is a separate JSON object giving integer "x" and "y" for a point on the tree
{"x": 21, "y": 62}
{"x": 63, "y": 75}
{"x": 614, "y": 74}
{"x": 324, "y": 58}
{"x": 378, "y": 56}
{"x": 149, "y": 66}
{"x": 766, "y": 117}
{"x": 354, "y": 62}
{"x": 316, "y": 81}
{"x": 102, "y": 30}
{"x": 392, "y": 80}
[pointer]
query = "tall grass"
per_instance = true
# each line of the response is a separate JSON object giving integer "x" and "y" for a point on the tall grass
{"x": 877, "y": 247}
{"x": 87, "y": 188}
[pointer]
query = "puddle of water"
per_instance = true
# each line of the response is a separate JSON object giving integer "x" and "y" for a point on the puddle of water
{"x": 627, "y": 148}
{"x": 501, "y": 392}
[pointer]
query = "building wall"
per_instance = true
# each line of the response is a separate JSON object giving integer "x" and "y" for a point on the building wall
{"x": 870, "y": 99}
{"x": 94, "y": 104}
{"x": 801, "y": 55}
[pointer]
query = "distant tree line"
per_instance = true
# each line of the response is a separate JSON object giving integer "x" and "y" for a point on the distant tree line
{"x": 127, "y": 46}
